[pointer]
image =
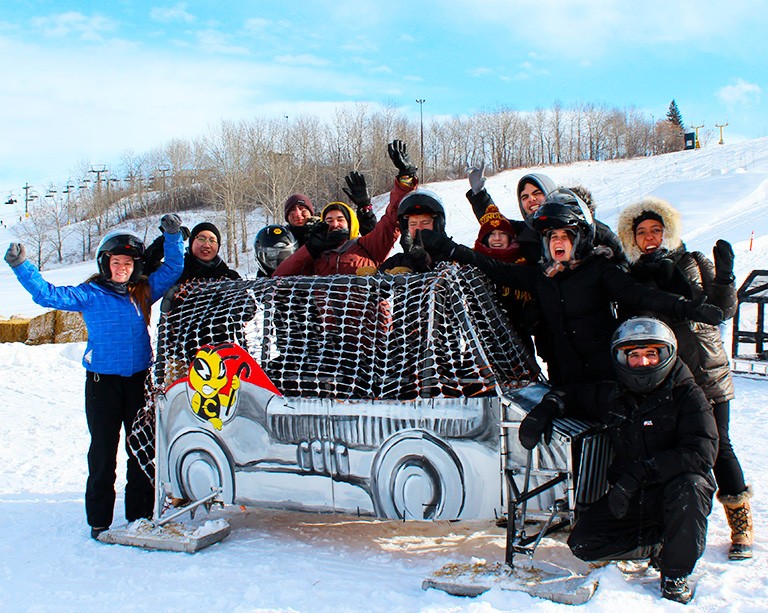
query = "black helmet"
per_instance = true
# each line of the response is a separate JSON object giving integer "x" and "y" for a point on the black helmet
{"x": 643, "y": 332}
{"x": 272, "y": 245}
{"x": 421, "y": 202}
{"x": 565, "y": 210}
{"x": 121, "y": 242}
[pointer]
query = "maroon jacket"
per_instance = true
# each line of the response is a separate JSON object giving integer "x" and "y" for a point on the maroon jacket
{"x": 369, "y": 250}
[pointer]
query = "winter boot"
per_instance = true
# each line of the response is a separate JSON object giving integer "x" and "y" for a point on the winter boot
{"x": 676, "y": 589}
{"x": 96, "y": 531}
{"x": 740, "y": 520}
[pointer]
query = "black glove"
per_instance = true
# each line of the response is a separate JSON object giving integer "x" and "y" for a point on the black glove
{"x": 413, "y": 246}
{"x": 627, "y": 486}
{"x": 356, "y": 189}
{"x": 539, "y": 421}
{"x": 320, "y": 239}
{"x": 16, "y": 255}
{"x": 699, "y": 310}
{"x": 170, "y": 223}
{"x": 438, "y": 243}
{"x": 399, "y": 156}
{"x": 659, "y": 271}
{"x": 723, "y": 253}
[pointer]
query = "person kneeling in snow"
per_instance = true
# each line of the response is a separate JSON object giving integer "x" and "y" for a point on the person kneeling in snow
{"x": 665, "y": 440}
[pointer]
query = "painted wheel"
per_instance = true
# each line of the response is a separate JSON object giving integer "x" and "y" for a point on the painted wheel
{"x": 417, "y": 476}
{"x": 198, "y": 463}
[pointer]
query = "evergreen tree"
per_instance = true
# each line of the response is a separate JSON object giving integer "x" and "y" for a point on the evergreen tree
{"x": 674, "y": 116}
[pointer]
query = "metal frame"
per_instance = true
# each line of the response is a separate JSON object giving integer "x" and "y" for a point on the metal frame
{"x": 754, "y": 290}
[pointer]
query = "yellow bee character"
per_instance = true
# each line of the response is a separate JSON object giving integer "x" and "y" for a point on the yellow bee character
{"x": 208, "y": 377}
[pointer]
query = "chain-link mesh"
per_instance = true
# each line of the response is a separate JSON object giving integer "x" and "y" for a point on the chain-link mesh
{"x": 394, "y": 337}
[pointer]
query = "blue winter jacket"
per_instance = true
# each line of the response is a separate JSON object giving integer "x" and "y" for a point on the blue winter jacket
{"x": 118, "y": 339}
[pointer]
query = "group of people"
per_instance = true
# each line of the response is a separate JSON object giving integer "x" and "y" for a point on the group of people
{"x": 626, "y": 323}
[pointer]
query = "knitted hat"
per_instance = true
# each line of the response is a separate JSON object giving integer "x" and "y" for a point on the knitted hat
{"x": 493, "y": 220}
{"x": 296, "y": 200}
{"x": 645, "y": 216}
{"x": 201, "y": 227}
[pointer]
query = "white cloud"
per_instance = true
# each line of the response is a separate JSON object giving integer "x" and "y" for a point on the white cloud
{"x": 88, "y": 28}
{"x": 739, "y": 93}
{"x": 213, "y": 41}
{"x": 170, "y": 14}
{"x": 479, "y": 72}
{"x": 304, "y": 59}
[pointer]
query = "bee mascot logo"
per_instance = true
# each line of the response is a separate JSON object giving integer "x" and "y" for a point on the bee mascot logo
{"x": 215, "y": 378}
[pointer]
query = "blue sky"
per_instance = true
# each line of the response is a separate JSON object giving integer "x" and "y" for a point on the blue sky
{"x": 83, "y": 82}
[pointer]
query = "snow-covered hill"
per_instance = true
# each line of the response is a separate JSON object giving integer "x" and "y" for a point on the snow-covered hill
{"x": 297, "y": 562}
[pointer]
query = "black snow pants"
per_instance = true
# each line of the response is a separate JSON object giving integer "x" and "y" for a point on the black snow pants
{"x": 111, "y": 403}
{"x": 669, "y": 520}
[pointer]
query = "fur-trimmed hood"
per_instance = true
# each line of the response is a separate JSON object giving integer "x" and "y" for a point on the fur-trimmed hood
{"x": 671, "y": 220}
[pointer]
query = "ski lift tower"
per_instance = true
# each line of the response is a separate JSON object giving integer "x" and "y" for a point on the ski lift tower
{"x": 749, "y": 325}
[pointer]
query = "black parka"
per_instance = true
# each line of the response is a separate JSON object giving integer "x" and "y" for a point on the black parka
{"x": 689, "y": 274}
{"x": 576, "y": 308}
{"x": 672, "y": 428}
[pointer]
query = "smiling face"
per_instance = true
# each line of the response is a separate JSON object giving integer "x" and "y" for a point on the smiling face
{"x": 648, "y": 235}
{"x": 336, "y": 220}
{"x": 498, "y": 240}
{"x": 643, "y": 357}
{"x": 205, "y": 246}
{"x": 531, "y": 198}
{"x": 560, "y": 245}
{"x": 298, "y": 215}
{"x": 121, "y": 268}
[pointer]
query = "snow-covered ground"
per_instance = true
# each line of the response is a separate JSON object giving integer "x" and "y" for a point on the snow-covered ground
{"x": 301, "y": 562}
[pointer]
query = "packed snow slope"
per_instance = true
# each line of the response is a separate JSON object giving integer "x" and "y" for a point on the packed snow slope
{"x": 300, "y": 562}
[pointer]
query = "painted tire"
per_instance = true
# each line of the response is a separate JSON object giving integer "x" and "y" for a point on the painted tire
{"x": 198, "y": 463}
{"x": 417, "y": 476}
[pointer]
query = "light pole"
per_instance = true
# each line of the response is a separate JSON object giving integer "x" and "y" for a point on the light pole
{"x": 420, "y": 102}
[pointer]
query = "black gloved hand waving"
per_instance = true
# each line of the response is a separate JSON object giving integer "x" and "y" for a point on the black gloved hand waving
{"x": 170, "y": 223}
{"x": 398, "y": 153}
{"x": 538, "y": 422}
{"x": 16, "y": 255}
{"x": 723, "y": 254}
{"x": 357, "y": 190}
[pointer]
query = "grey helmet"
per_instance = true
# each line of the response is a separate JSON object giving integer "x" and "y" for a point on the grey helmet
{"x": 643, "y": 332}
{"x": 121, "y": 242}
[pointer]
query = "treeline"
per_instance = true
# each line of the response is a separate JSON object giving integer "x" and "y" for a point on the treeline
{"x": 240, "y": 166}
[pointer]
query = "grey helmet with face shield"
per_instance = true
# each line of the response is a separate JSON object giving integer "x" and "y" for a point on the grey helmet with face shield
{"x": 640, "y": 332}
{"x": 121, "y": 242}
{"x": 564, "y": 210}
{"x": 272, "y": 245}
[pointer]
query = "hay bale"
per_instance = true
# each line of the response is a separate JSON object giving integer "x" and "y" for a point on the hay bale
{"x": 69, "y": 327}
{"x": 14, "y": 330}
{"x": 41, "y": 329}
